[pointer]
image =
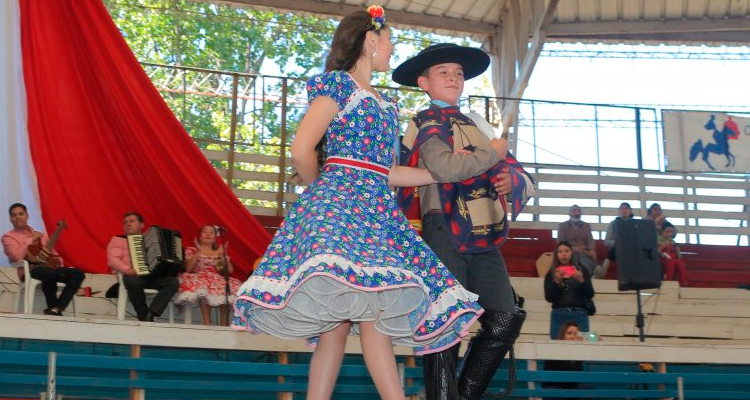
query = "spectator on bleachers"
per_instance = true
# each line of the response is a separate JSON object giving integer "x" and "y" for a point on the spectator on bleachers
{"x": 671, "y": 258}
{"x": 578, "y": 234}
{"x": 656, "y": 214}
{"x": 569, "y": 331}
{"x": 568, "y": 287}
{"x": 625, "y": 213}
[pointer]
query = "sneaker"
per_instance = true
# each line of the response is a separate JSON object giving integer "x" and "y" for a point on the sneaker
{"x": 47, "y": 311}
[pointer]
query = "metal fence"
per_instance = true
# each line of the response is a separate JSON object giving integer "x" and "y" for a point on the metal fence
{"x": 592, "y": 155}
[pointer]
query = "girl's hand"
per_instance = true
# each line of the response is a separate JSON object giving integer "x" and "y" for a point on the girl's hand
{"x": 578, "y": 276}
{"x": 462, "y": 151}
{"x": 501, "y": 182}
{"x": 557, "y": 276}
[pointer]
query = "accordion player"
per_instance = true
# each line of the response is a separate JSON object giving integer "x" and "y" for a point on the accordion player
{"x": 158, "y": 252}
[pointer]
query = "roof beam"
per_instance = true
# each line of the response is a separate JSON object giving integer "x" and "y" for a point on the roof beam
{"x": 409, "y": 19}
{"x": 530, "y": 56}
{"x": 596, "y": 29}
{"x": 712, "y": 38}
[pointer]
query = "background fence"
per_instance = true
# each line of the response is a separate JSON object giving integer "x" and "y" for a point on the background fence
{"x": 596, "y": 156}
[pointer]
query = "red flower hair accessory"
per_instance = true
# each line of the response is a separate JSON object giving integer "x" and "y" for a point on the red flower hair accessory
{"x": 378, "y": 16}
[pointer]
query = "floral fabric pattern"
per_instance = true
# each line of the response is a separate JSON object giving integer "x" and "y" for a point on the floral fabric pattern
{"x": 205, "y": 282}
{"x": 347, "y": 229}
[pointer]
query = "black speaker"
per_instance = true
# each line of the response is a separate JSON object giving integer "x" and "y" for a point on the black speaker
{"x": 637, "y": 254}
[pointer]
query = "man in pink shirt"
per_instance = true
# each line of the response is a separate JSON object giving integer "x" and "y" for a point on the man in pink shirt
{"x": 118, "y": 259}
{"x": 16, "y": 243}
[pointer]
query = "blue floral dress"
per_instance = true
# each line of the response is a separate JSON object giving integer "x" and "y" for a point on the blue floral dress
{"x": 345, "y": 251}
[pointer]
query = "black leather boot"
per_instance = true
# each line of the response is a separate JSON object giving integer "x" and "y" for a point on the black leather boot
{"x": 487, "y": 349}
{"x": 440, "y": 374}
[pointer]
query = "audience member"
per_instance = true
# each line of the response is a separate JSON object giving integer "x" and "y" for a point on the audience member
{"x": 671, "y": 258}
{"x": 578, "y": 234}
{"x": 568, "y": 287}
{"x": 118, "y": 259}
{"x": 610, "y": 239}
{"x": 203, "y": 281}
{"x": 46, "y": 266}
{"x": 656, "y": 214}
{"x": 569, "y": 331}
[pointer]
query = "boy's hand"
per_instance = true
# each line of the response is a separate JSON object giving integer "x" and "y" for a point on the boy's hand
{"x": 500, "y": 146}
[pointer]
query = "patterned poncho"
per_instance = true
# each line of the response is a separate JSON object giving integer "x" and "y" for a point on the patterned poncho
{"x": 466, "y": 236}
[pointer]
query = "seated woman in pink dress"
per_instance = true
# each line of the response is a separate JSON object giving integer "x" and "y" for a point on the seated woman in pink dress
{"x": 203, "y": 280}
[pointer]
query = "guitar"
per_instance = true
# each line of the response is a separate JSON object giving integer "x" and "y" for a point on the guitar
{"x": 42, "y": 254}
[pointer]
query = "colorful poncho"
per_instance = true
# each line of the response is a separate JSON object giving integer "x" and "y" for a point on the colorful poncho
{"x": 466, "y": 236}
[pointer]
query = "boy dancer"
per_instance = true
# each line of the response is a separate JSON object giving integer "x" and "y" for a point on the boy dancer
{"x": 464, "y": 215}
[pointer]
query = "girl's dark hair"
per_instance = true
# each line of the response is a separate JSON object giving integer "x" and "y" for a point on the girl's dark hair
{"x": 651, "y": 208}
{"x": 348, "y": 41}
{"x": 564, "y": 328}
{"x": 555, "y": 260}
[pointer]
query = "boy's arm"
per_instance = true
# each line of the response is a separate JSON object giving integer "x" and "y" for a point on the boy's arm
{"x": 445, "y": 166}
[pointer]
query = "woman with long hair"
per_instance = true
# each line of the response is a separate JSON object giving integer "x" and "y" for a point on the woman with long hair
{"x": 568, "y": 287}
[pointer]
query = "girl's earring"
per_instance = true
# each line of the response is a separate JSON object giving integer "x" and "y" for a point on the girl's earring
{"x": 374, "y": 54}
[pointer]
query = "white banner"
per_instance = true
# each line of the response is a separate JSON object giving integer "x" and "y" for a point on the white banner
{"x": 17, "y": 175}
{"x": 697, "y": 141}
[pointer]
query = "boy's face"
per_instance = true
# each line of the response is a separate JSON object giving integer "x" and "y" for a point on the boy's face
{"x": 668, "y": 233}
{"x": 444, "y": 82}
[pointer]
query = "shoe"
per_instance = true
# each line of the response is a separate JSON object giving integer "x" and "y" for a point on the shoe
{"x": 48, "y": 311}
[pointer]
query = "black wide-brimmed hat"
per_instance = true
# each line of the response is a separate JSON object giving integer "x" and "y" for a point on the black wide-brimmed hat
{"x": 473, "y": 61}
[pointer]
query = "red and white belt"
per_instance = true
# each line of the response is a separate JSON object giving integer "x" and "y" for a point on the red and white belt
{"x": 359, "y": 164}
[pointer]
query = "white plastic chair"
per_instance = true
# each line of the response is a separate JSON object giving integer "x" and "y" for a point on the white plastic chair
{"x": 122, "y": 300}
{"x": 29, "y": 288}
{"x": 19, "y": 292}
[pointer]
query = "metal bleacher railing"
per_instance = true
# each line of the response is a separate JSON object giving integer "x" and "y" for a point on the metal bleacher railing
{"x": 61, "y": 375}
{"x": 595, "y": 156}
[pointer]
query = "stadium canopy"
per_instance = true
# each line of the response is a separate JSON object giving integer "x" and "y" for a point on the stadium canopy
{"x": 514, "y": 31}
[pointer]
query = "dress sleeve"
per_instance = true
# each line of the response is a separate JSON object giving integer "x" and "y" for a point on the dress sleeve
{"x": 329, "y": 84}
{"x": 190, "y": 253}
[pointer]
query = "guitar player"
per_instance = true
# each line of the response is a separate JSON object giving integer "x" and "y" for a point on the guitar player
{"x": 24, "y": 243}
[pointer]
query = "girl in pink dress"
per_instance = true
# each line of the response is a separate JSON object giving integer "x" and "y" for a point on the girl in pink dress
{"x": 203, "y": 281}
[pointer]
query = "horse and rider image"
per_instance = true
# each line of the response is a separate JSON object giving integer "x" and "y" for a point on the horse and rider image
{"x": 730, "y": 131}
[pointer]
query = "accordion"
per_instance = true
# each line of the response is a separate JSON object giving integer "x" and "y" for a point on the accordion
{"x": 158, "y": 252}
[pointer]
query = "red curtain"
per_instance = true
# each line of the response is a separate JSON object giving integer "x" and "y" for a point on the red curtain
{"x": 104, "y": 142}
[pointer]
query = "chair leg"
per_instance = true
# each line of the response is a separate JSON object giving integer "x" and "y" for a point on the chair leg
{"x": 170, "y": 312}
{"x": 74, "y": 306}
{"x": 122, "y": 301}
{"x": 31, "y": 285}
{"x": 19, "y": 297}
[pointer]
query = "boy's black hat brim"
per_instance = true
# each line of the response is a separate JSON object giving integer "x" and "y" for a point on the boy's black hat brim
{"x": 473, "y": 61}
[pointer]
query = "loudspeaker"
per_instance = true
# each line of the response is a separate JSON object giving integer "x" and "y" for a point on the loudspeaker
{"x": 638, "y": 265}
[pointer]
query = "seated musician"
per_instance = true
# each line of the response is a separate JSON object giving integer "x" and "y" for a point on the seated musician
{"x": 118, "y": 259}
{"x": 44, "y": 265}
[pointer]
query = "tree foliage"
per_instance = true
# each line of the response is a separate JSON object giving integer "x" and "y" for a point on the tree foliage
{"x": 210, "y": 57}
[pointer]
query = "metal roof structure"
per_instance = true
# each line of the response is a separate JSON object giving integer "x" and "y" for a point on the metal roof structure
{"x": 514, "y": 31}
{"x": 647, "y": 21}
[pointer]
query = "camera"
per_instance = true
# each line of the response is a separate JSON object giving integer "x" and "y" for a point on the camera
{"x": 590, "y": 336}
